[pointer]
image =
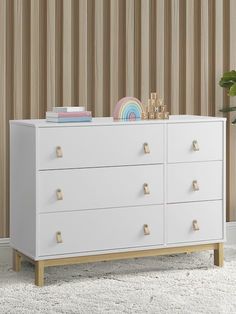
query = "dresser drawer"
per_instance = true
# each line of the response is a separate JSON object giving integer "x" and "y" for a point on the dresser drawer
{"x": 184, "y": 220}
{"x": 103, "y": 229}
{"x": 99, "y": 146}
{"x": 195, "y": 142}
{"x": 76, "y": 189}
{"x": 194, "y": 181}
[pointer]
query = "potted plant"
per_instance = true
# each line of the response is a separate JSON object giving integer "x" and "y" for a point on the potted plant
{"x": 228, "y": 81}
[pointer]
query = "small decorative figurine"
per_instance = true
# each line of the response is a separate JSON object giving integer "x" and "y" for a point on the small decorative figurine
{"x": 155, "y": 109}
{"x": 129, "y": 108}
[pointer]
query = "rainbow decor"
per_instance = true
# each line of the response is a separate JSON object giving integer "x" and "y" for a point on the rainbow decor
{"x": 128, "y": 108}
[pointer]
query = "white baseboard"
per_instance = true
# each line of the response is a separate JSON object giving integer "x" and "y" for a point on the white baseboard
{"x": 4, "y": 242}
{"x": 230, "y": 234}
{"x": 5, "y": 252}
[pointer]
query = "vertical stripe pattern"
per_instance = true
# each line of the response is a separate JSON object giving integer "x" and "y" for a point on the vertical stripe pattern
{"x": 91, "y": 53}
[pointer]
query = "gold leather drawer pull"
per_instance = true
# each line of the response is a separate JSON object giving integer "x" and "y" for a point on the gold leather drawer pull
{"x": 59, "y": 152}
{"x": 146, "y": 188}
{"x": 146, "y": 230}
{"x": 195, "y": 225}
{"x": 59, "y": 194}
{"x": 146, "y": 148}
{"x": 59, "y": 237}
{"x": 195, "y": 185}
{"x": 196, "y": 146}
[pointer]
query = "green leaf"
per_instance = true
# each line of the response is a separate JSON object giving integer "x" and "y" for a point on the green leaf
{"x": 228, "y": 79}
{"x": 225, "y": 83}
{"x": 228, "y": 109}
{"x": 234, "y": 122}
{"x": 230, "y": 76}
{"x": 232, "y": 91}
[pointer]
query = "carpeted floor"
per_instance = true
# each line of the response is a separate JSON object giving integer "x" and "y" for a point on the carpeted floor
{"x": 186, "y": 283}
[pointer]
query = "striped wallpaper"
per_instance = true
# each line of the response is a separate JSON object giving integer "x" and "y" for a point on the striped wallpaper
{"x": 93, "y": 52}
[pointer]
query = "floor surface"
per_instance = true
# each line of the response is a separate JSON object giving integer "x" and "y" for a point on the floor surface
{"x": 184, "y": 283}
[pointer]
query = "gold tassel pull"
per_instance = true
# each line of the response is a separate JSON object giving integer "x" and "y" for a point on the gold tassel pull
{"x": 196, "y": 146}
{"x": 146, "y": 230}
{"x": 195, "y": 225}
{"x": 59, "y": 237}
{"x": 59, "y": 194}
{"x": 195, "y": 185}
{"x": 59, "y": 152}
{"x": 146, "y": 148}
{"x": 146, "y": 188}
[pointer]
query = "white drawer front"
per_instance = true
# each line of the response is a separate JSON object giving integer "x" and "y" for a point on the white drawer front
{"x": 183, "y": 220}
{"x": 182, "y": 188}
{"x": 103, "y": 229}
{"x": 100, "y": 146}
{"x": 100, "y": 187}
{"x": 208, "y": 145}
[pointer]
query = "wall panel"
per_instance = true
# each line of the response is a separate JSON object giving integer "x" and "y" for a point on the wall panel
{"x": 114, "y": 48}
{"x": 51, "y": 53}
{"x": 129, "y": 44}
{"x": 175, "y": 57}
{"x": 160, "y": 51}
{"x": 34, "y": 60}
{"x": 99, "y": 60}
{"x": 3, "y": 122}
{"x": 82, "y": 53}
{"x": 67, "y": 52}
{"x": 145, "y": 47}
{"x": 232, "y": 130}
{"x": 190, "y": 78}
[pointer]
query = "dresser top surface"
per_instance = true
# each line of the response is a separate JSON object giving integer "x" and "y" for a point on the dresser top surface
{"x": 108, "y": 121}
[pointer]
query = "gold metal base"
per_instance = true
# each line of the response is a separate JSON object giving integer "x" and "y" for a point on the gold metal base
{"x": 40, "y": 265}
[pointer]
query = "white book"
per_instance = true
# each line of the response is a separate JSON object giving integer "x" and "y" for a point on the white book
{"x": 68, "y": 109}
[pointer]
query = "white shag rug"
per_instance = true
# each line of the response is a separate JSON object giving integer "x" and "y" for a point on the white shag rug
{"x": 186, "y": 283}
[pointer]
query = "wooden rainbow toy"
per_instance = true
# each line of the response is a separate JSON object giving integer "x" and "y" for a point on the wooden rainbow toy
{"x": 128, "y": 108}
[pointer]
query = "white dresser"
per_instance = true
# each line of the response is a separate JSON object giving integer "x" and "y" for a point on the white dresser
{"x": 104, "y": 190}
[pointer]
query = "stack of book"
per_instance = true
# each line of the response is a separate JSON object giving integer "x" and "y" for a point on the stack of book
{"x": 68, "y": 114}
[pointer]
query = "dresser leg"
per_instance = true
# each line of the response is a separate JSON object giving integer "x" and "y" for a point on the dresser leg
{"x": 219, "y": 255}
{"x": 16, "y": 262}
{"x": 39, "y": 273}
